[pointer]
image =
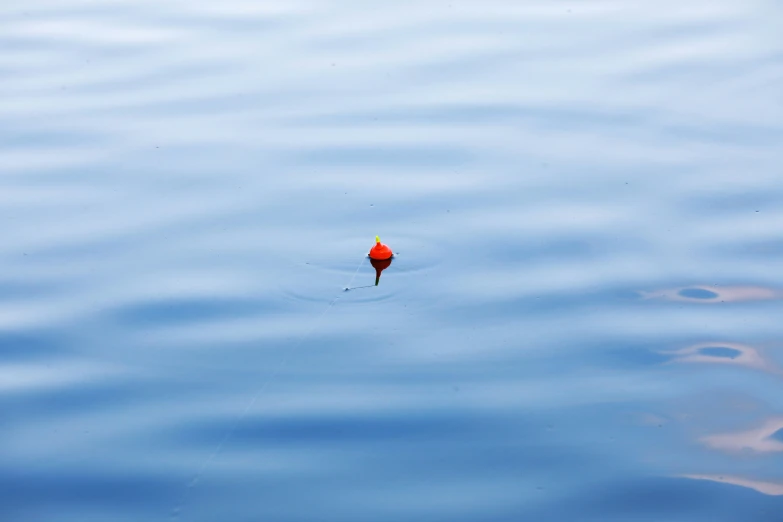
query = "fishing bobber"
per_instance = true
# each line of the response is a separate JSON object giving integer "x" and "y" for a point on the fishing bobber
{"x": 380, "y": 251}
{"x": 380, "y": 258}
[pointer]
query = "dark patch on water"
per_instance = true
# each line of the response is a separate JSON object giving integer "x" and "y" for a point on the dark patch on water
{"x": 697, "y": 293}
{"x": 720, "y": 351}
{"x": 23, "y": 346}
{"x": 26, "y": 493}
{"x": 635, "y": 356}
{"x": 338, "y": 430}
{"x": 177, "y": 311}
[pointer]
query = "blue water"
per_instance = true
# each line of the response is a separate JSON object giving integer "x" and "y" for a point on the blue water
{"x": 582, "y": 322}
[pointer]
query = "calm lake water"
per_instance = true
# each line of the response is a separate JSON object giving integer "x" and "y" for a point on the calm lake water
{"x": 582, "y": 322}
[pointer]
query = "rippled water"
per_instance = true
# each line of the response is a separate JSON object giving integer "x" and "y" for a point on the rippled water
{"x": 582, "y": 321}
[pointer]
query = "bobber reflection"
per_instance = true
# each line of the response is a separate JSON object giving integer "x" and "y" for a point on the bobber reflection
{"x": 380, "y": 265}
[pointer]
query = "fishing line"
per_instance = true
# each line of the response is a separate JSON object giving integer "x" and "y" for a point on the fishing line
{"x": 228, "y": 434}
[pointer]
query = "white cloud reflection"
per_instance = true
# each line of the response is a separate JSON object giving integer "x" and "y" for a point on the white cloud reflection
{"x": 757, "y": 440}
{"x": 767, "y": 488}
{"x": 724, "y": 353}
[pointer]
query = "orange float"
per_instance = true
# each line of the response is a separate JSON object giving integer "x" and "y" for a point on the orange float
{"x": 380, "y": 252}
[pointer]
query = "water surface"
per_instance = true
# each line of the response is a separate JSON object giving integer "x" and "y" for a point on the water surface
{"x": 582, "y": 321}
